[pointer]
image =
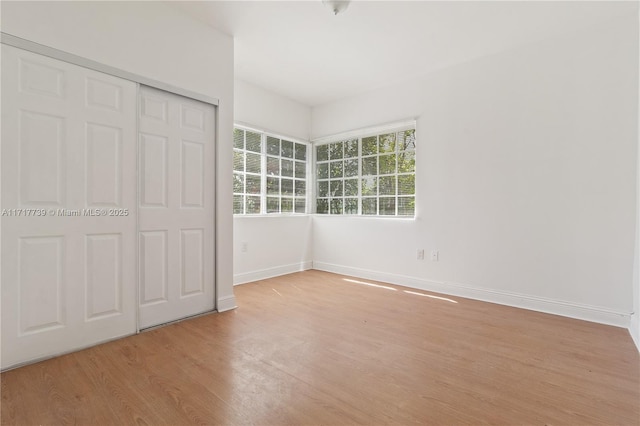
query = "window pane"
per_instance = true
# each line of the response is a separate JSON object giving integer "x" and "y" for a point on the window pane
{"x": 323, "y": 188}
{"x": 370, "y": 145}
{"x": 335, "y": 168}
{"x": 336, "y": 206}
{"x": 254, "y": 142}
{"x": 370, "y": 206}
{"x": 253, "y": 205}
{"x": 351, "y": 148}
{"x": 335, "y": 151}
{"x": 287, "y": 167}
{"x": 387, "y": 205}
{"x": 406, "y": 184}
{"x": 387, "y": 185}
{"x": 369, "y": 166}
{"x": 273, "y": 204}
{"x": 238, "y": 183}
{"x": 254, "y": 163}
{"x": 387, "y": 143}
{"x": 273, "y": 146}
{"x": 273, "y": 166}
{"x": 287, "y": 149}
{"x": 301, "y": 205}
{"x": 238, "y": 201}
{"x": 301, "y": 152}
{"x": 336, "y": 188}
{"x": 407, "y": 140}
{"x": 387, "y": 164}
{"x": 350, "y": 206}
{"x": 322, "y": 153}
{"x": 406, "y": 206}
{"x": 323, "y": 170}
{"x": 253, "y": 184}
{"x": 301, "y": 188}
{"x": 273, "y": 186}
{"x": 407, "y": 162}
{"x": 370, "y": 186}
{"x": 238, "y": 161}
{"x": 322, "y": 206}
{"x": 351, "y": 187}
{"x": 351, "y": 167}
{"x": 238, "y": 139}
{"x": 287, "y": 186}
{"x": 301, "y": 170}
{"x": 287, "y": 205}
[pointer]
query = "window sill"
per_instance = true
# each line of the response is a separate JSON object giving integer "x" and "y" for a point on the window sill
{"x": 367, "y": 217}
{"x": 280, "y": 215}
{"x": 333, "y": 216}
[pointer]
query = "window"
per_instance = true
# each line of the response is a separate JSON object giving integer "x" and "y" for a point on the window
{"x": 372, "y": 175}
{"x": 247, "y": 172}
{"x": 269, "y": 174}
{"x": 286, "y": 176}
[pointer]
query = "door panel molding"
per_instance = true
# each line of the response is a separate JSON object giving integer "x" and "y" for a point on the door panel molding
{"x": 68, "y": 278}
{"x": 176, "y": 211}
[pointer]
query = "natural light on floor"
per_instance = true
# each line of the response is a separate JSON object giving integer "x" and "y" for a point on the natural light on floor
{"x": 370, "y": 284}
{"x": 395, "y": 289}
{"x": 430, "y": 296}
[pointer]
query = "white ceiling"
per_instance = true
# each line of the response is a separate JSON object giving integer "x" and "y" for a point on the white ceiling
{"x": 299, "y": 49}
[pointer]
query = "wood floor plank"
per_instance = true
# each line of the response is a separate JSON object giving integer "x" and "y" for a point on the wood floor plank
{"x": 320, "y": 348}
{"x": 248, "y": 373}
{"x": 124, "y": 389}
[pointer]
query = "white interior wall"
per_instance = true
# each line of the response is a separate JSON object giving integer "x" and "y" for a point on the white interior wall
{"x": 635, "y": 318}
{"x": 153, "y": 40}
{"x": 634, "y": 328}
{"x": 275, "y": 245}
{"x": 526, "y": 178}
{"x": 271, "y": 112}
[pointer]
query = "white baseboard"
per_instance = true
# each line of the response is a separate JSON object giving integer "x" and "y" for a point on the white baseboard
{"x": 634, "y": 330}
{"x": 226, "y": 303}
{"x": 263, "y": 274}
{"x": 533, "y": 303}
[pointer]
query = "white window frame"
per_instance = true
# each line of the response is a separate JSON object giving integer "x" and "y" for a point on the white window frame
{"x": 264, "y": 134}
{"x": 361, "y": 134}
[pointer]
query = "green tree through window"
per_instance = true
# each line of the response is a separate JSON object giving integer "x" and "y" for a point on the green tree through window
{"x": 373, "y": 175}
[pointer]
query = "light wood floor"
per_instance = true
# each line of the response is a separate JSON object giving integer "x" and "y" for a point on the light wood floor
{"x": 318, "y": 348}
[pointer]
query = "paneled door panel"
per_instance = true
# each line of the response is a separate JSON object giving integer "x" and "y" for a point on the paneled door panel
{"x": 176, "y": 212}
{"x": 68, "y": 207}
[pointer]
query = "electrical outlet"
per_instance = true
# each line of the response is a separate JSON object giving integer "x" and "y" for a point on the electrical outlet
{"x": 244, "y": 247}
{"x": 420, "y": 254}
{"x": 434, "y": 255}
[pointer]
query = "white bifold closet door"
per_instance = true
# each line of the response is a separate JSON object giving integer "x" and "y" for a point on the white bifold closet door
{"x": 176, "y": 207}
{"x": 68, "y": 207}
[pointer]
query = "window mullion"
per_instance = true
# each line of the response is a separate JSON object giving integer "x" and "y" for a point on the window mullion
{"x": 312, "y": 180}
{"x": 360, "y": 176}
{"x": 244, "y": 172}
{"x": 378, "y": 175}
{"x": 397, "y": 200}
{"x": 280, "y": 176}
{"x": 263, "y": 174}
